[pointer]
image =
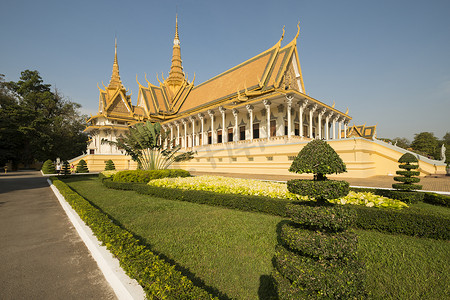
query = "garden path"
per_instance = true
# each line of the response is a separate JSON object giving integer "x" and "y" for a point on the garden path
{"x": 41, "y": 254}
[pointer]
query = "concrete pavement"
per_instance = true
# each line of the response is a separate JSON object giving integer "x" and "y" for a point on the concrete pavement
{"x": 41, "y": 254}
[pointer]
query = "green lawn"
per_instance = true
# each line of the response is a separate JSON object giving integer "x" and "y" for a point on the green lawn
{"x": 231, "y": 251}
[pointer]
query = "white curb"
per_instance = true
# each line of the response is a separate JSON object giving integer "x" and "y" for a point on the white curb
{"x": 124, "y": 287}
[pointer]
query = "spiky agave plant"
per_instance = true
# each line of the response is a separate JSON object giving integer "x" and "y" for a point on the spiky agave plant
{"x": 144, "y": 143}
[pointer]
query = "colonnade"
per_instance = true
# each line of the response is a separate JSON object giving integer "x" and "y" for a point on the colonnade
{"x": 285, "y": 117}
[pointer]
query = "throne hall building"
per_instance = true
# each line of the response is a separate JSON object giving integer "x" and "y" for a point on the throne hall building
{"x": 252, "y": 118}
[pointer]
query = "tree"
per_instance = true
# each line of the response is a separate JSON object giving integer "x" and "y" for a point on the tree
{"x": 317, "y": 254}
{"x": 401, "y": 142}
{"x": 48, "y": 167}
{"x": 109, "y": 166}
{"x": 37, "y": 123}
{"x": 66, "y": 168}
{"x": 427, "y": 143}
{"x": 405, "y": 190}
{"x": 144, "y": 142}
{"x": 319, "y": 158}
{"x": 82, "y": 167}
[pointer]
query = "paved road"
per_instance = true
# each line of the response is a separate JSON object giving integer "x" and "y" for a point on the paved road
{"x": 41, "y": 254}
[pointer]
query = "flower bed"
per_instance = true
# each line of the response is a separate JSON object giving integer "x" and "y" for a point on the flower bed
{"x": 227, "y": 185}
{"x": 369, "y": 200}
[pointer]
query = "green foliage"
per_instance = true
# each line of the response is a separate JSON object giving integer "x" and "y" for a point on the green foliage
{"x": 142, "y": 176}
{"x": 48, "y": 167}
{"x": 331, "y": 279}
{"x": 319, "y": 158}
{"x": 437, "y": 199}
{"x": 329, "y": 218}
{"x": 234, "y": 201}
{"x": 321, "y": 190}
{"x": 406, "y": 221}
{"x": 407, "y": 196}
{"x": 82, "y": 167}
{"x": 65, "y": 168}
{"x": 319, "y": 244}
{"x": 426, "y": 142}
{"x": 109, "y": 166}
{"x": 159, "y": 279}
{"x": 408, "y": 162}
{"x": 144, "y": 142}
{"x": 38, "y": 123}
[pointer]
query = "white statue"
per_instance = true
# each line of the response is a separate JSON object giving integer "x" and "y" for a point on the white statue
{"x": 443, "y": 153}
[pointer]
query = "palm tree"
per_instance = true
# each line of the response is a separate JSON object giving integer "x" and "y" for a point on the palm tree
{"x": 144, "y": 143}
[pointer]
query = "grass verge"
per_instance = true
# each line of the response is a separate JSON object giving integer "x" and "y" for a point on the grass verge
{"x": 232, "y": 250}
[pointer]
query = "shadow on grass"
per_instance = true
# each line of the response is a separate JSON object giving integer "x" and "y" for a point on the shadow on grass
{"x": 183, "y": 270}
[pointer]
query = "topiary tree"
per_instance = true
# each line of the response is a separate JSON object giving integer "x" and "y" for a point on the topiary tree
{"x": 48, "y": 167}
{"x": 319, "y": 158}
{"x": 408, "y": 162}
{"x": 405, "y": 190}
{"x": 82, "y": 167}
{"x": 110, "y": 165}
{"x": 316, "y": 258}
{"x": 66, "y": 168}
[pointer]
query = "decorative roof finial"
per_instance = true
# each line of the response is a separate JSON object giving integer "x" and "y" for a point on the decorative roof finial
{"x": 176, "y": 28}
{"x": 115, "y": 81}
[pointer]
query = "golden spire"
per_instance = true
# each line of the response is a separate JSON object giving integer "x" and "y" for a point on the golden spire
{"x": 115, "y": 81}
{"x": 176, "y": 74}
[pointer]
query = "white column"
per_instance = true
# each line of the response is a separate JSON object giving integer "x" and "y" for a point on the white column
{"x": 267, "y": 105}
{"x": 185, "y": 134}
{"x": 321, "y": 113}
{"x": 302, "y": 105}
{"x": 288, "y": 109}
{"x": 213, "y": 132}
{"x": 171, "y": 136}
{"x": 327, "y": 124}
{"x": 334, "y": 126}
{"x": 178, "y": 133}
{"x": 224, "y": 131}
{"x": 201, "y": 117}
{"x": 250, "y": 112}
{"x": 345, "y": 127}
{"x": 235, "y": 114}
{"x": 192, "y": 119}
{"x": 339, "y": 128}
{"x": 312, "y": 109}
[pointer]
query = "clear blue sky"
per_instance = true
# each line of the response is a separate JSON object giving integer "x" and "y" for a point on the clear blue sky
{"x": 387, "y": 61}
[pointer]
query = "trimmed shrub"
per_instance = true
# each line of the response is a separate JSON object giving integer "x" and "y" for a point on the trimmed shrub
{"x": 65, "y": 168}
{"x": 82, "y": 167}
{"x": 109, "y": 166}
{"x": 408, "y": 162}
{"x": 325, "y": 190}
{"x": 306, "y": 275}
{"x": 406, "y": 222}
{"x": 406, "y": 196}
{"x": 332, "y": 218}
{"x": 48, "y": 167}
{"x": 319, "y": 158}
{"x": 159, "y": 279}
{"x": 437, "y": 199}
{"x": 319, "y": 244}
{"x": 142, "y": 176}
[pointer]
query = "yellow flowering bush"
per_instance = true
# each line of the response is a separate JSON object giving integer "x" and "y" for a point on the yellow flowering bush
{"x": 227, "y": 185}
{"x": 370, "y": 200}
{"x": 110, "y": 173}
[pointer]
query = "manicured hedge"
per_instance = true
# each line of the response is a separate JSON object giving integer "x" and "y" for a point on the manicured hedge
{"x": 327, "y": 189}
{"x": 241, "y": 202}
{"x": 319, "y": 244}
{"x": 331, "y": 217}
{"x": 159, "y": 279}
{"x": 306, "y": 274}
{"x": 437, "y": 199}
{"x": 406, "y": 222}
{"x": 145, "y": 176}
{"x": 402, "y": 221}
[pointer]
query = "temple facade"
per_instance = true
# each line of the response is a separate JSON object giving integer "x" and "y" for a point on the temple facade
{"x": 252, "y": 118}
